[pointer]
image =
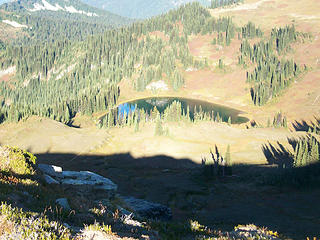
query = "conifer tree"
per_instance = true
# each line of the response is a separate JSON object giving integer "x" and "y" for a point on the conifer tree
{"x": 158, "y": 128}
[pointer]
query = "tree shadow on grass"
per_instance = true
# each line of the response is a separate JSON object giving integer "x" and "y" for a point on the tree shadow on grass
{"x": 278, "y": 155}
{"x": 171, "y": 182}
{"x": 305, "y": 126}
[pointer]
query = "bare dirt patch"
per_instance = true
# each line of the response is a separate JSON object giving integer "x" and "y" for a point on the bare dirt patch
{"x": 5, "y": 78}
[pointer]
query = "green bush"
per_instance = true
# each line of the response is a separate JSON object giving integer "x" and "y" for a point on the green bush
{"x": 17, "y": 161}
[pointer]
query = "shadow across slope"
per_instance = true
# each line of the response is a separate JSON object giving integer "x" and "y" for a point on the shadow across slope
{"x": 249, "y": 196}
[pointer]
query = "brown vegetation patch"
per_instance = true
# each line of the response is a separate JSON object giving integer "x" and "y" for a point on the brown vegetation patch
{"x": 5, "y": 78}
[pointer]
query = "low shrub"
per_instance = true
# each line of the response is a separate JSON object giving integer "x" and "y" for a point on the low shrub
{"x": 17, "y": 161}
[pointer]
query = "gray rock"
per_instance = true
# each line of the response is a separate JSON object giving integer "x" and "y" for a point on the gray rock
{"x": 147, "y": 209}
{"x": 88, "y": 181}
{"x": 50, "y": 180}
{"x": 63, "y": 202}
{"x": 88, "y": 178}
{"x": 51, "y": 170}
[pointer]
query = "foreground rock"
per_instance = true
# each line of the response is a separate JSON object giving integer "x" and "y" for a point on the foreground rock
{"x": 96, "y": 187}
{"x": 84, "y": 182}
{"x": 88, "y": 178}
{"x": 147, "y": 209}
{"x": 50, "y": 170}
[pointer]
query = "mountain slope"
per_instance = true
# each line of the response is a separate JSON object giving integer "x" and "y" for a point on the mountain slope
{"x": 41, "y": 20}
{"x": 140, "y": 8}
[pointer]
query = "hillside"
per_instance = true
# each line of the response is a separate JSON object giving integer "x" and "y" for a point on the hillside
{"x": 75, "y": 103}
{"x": 49, "y": 21}
{"x": 140, "y": 9}
{"x": 195, "y": 50}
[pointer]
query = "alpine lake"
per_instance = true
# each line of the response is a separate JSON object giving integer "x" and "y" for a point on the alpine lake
{"x": 187, "y": 105}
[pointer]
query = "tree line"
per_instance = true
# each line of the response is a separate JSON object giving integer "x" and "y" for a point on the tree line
{"x": 175, "y": 112}
{"x": 223, "y": 3}
{"x": 273, "y": 72}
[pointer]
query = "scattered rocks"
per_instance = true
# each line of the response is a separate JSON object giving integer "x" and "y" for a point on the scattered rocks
{"x": 147, "y": 209}
{"x": 159, "y": 85}
{"x": 94, "y": 186}
{"x": 63, "y": 202}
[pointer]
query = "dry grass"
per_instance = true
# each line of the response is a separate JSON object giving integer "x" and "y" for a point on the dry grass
{"x": 41, "y": 135}
{"x": 193, "y": 141}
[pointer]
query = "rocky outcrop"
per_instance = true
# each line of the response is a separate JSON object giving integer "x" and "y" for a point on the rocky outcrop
{"x": 84, "y": 181}
{"x": 50, "y": 170}
{"x": 87, "y": 178}
{"x": 90, "y": 184}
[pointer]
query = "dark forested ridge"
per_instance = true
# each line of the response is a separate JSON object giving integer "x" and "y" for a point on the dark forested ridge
{"x": 52, "y": 20}
{"x": 62, "y": 78}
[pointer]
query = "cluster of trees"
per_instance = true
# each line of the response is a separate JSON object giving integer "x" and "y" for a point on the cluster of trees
{"x": 226, "y": 31}
{"x": 306, "y": 152}
{"x": 279, "y": 120}
{"x": 283, "y": 37}
{"x": 159, "y": 59}
{"x": 223, "y": 3}
{"x": 173, "y": 113}
{"x": 84, "y": 86}
{"x": 249, "y": 31}
{"x": 272, "y": 73}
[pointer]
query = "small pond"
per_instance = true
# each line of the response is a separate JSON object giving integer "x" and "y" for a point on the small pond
{"x": 161, "y": 103}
